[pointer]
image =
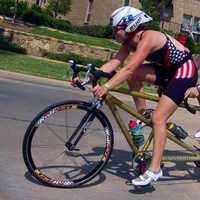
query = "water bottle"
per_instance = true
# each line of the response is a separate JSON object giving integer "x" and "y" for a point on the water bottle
{"x": 135, "y": 131}
{"x": 178, "y": 131}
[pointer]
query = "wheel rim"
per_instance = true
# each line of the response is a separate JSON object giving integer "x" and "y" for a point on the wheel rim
{"x": 51, "y": 162}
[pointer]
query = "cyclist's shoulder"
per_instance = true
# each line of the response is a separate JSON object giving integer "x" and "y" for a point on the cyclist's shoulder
{"x": 153, "y": 34}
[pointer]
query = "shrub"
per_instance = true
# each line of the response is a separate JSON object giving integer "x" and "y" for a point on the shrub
{"x": 155, "y": 25}
{"x": 197, "y": 48}
{"x": 5, "y": 44}
{"x": 94, "y": 30}
{"x": 22, "y": 7}
{"x": 36, "y": 17}
{"x": 5, "y": 7}
{"x": 60, "y": 24}
{"x": 77, "y": 58}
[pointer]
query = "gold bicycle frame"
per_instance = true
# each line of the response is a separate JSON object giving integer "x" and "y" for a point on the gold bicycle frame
{"x": 114, "y": 103}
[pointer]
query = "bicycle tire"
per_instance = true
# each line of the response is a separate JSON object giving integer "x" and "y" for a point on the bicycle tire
{"x": 45, "y": 125}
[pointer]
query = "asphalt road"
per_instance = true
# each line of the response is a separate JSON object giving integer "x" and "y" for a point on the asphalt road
{"x": 22, "y": 97}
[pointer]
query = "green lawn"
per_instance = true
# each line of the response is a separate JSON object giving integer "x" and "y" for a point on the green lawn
{"x": 101, "y": 42}
{"x": 33, "y": 66}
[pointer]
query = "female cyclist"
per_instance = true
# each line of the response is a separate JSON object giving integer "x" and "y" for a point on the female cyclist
{"x": 170, "y": 65}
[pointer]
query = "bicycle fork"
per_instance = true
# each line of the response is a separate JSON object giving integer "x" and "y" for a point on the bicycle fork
{"x": 83, "y": 126}
{"x": 79, "y": 131}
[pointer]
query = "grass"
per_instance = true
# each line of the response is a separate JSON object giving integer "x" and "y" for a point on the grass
{"x": 24, "y": 64}
{"x": 28, "y": 65}
{"x": 101, "y": 42}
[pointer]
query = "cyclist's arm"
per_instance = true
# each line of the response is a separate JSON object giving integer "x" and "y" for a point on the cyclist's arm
{"x": 144, "y": 48}
{"x": 118, "y": 60}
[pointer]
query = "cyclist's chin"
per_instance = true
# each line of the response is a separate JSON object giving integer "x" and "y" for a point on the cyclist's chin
{"x": 121, "y": 40}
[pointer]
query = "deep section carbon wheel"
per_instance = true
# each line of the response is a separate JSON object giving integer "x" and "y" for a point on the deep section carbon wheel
{"x": 67, "y": 144}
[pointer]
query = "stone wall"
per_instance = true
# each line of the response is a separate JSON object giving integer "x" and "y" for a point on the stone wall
{"x": 37, "y": 45}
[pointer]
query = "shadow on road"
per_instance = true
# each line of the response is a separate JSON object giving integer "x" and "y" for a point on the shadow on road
{"x": 120, "y": 165}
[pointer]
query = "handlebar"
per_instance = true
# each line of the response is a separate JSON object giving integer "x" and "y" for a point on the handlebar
{"x": 188, "y": 107}
{"x": 92, "y": 74}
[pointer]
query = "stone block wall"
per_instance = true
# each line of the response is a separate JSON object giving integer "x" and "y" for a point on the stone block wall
{"x": 39, "y": 45}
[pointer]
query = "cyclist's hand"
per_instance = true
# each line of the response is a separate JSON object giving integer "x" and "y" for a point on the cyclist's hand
{"x": 74, "y": 81}
{"x": 99, "y": 91}
{"x": 192, "y": 92}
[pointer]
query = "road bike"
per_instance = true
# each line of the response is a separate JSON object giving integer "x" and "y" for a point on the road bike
{"x": 69, "y": 143}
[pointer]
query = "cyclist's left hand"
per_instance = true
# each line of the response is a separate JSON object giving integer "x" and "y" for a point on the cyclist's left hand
{"x": 192, "y": 92}
{"x": 99, "y": 91}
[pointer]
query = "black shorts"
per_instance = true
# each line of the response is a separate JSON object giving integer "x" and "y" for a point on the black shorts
{"x": 176, "y": 82}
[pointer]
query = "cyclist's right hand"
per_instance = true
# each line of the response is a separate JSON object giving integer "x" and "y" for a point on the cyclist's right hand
{"x": 75, "y": 80}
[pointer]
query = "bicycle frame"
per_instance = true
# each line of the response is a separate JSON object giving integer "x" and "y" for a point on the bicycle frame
{"x": 114, "y": 103}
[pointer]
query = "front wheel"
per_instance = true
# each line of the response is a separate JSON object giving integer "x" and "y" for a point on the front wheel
{"x": 67, "y": 144}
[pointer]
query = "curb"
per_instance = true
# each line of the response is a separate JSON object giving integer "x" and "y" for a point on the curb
{"x": 63, "y": 84}
{"x": 32, "y": 79}
{"x": 52, "y": 82}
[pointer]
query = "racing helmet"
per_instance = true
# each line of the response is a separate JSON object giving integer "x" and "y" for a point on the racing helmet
{"x": 129, "y": 17}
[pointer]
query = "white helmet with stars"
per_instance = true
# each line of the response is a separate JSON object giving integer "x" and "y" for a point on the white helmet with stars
{"x": 129, "y": 17}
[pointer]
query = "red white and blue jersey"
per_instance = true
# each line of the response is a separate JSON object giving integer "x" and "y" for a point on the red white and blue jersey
{"x": 187, "y": 70}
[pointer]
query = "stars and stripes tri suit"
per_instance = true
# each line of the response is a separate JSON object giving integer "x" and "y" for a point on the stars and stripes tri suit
{"x": 175, "y": 70}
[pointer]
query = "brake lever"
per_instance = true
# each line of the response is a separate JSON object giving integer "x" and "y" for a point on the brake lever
{"x": 80, "y": 85}
{"x": 74, "y": 68}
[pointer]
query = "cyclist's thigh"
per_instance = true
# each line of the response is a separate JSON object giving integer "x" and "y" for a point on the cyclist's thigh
{"x": 145, "y": 72}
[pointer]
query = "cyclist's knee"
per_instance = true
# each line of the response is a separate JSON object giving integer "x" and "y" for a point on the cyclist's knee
{"x": 158, "y": 119}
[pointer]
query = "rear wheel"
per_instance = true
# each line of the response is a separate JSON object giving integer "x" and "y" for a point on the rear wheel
{"x": 67, "y": 144}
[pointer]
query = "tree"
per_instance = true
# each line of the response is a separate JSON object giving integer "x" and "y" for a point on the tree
{"x": 156, "y": 8}
{"x": 153, "y": 8}
{"x": 40, "y": 2}
{"x": 160, "y": 10}
{"x": 59, "y": 6}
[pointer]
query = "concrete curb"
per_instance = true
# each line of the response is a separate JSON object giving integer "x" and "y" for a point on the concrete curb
{"x": 63, "y": 84}
{"x": 32, "y": 79}
{"x": 51, "y": 82}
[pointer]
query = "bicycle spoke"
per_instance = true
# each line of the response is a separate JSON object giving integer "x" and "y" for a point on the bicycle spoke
{"x": 54, "y": 133}
{"x": 54, "y": 159}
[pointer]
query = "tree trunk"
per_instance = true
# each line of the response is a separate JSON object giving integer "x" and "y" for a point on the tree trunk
{"x": 15, "y": 11}
{"x": 37, "y": 2}
{"x": 89, "y": 11}
{"x": 56, "y": 9}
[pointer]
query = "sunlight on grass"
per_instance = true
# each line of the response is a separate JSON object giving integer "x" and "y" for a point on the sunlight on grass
{"x": 32, "y": 66}
{"x": 101, "y": 42}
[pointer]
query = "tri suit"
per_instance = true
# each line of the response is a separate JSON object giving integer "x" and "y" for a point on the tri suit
{"x": 175, "y": 70}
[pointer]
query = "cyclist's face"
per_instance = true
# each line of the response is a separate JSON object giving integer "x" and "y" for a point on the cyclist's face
{"x": 120, "y": 34}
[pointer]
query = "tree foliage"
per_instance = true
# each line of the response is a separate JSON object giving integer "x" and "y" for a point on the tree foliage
{"x": 159, "y": 10}
{"x": 59, "y": 6}
{"x": 154, "y": 8}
